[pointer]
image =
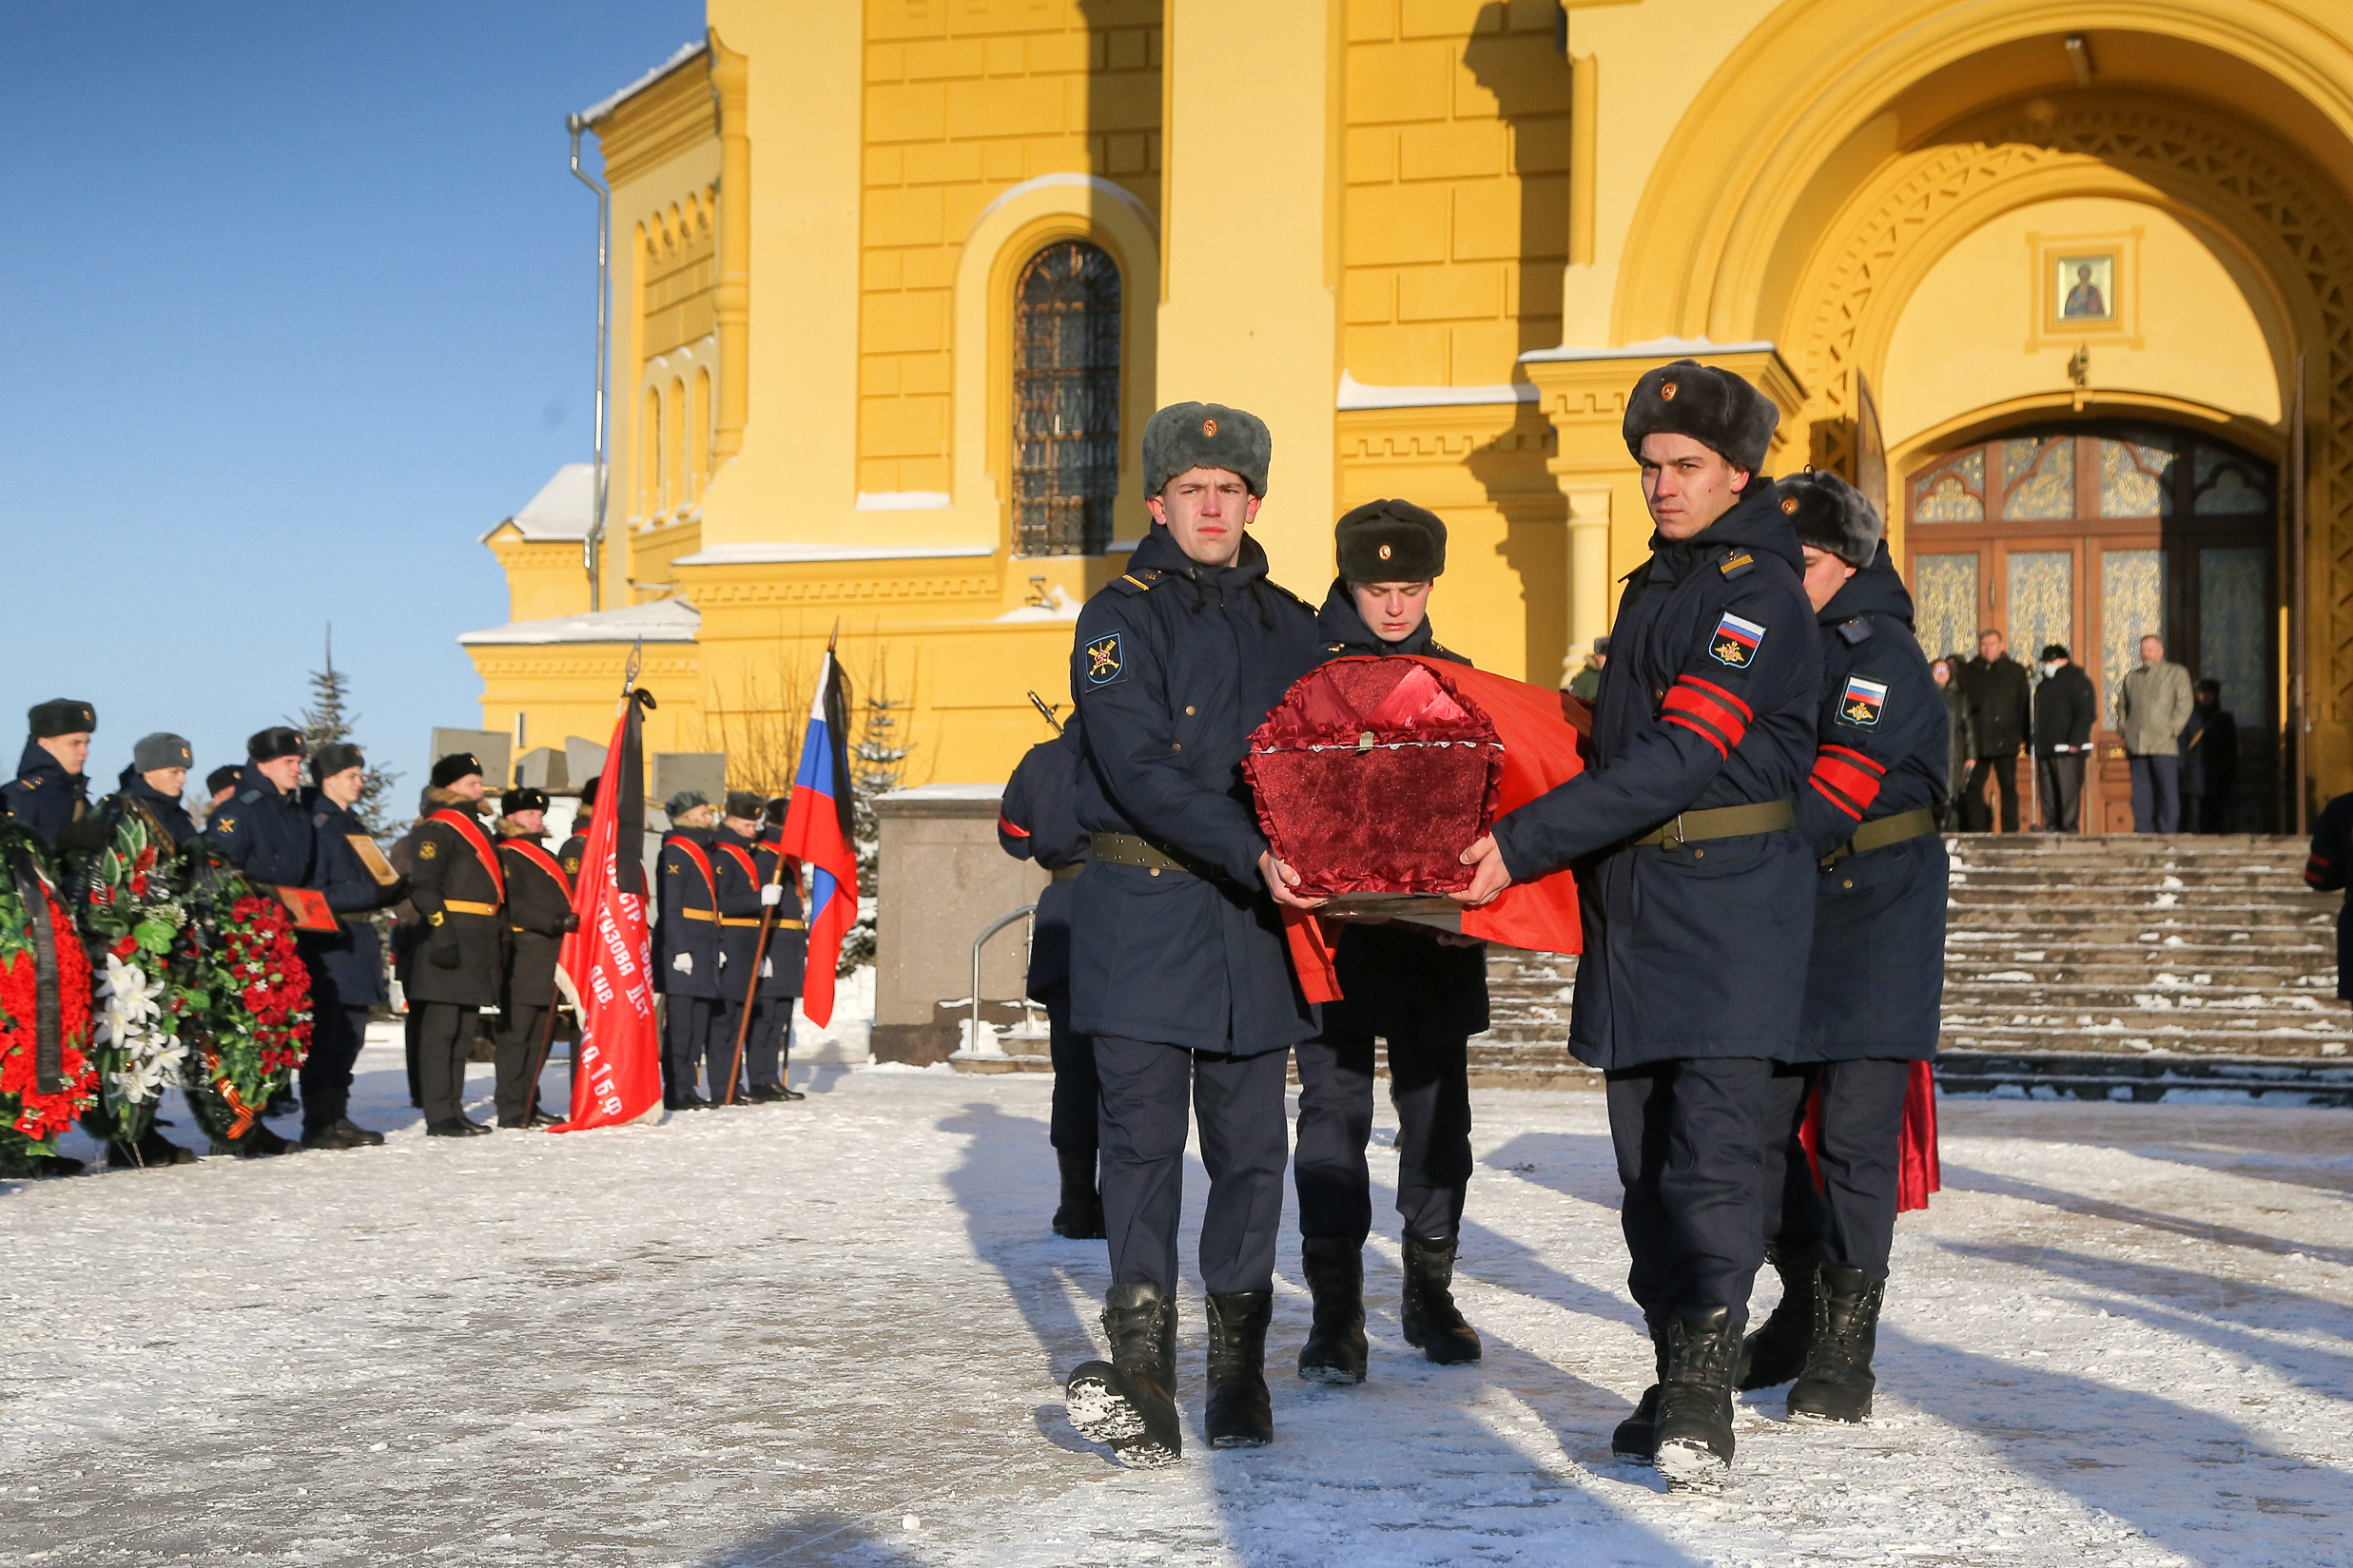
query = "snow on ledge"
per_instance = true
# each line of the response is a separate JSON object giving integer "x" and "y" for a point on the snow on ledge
{"x": 1059, "y": 607}
{"x": 905, "y": 500}
{"x": 1359, "y": 395}
{"x": 1655, "y": 348}
{"x": 661, "y": 621}
{"x": 779, "y": 553}
{"x": 948, "y": 792}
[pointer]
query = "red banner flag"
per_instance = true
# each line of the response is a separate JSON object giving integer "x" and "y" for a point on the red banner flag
{"x": 617, "y": 1074}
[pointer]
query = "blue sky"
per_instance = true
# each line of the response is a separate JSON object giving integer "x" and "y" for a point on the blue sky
{"x": 300, "y": 299}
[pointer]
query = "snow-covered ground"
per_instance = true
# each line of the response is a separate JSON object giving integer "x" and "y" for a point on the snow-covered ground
{"x": 831, "y": 1332}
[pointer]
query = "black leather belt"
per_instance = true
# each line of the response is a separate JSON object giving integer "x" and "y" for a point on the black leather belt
{"x": 1881, "y": 831}
{"x": 1728, "y": 821}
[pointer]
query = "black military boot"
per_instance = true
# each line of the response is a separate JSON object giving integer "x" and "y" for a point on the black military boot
{"x": 1636, "y": 1439}
{"x": 1129, "y": 1401}
{"x": 1432, "y": 1324}
{"x": 1776, "y": 1353}
{"x": 259, "y": 1142}
{"x": 1080, "y": 1216}
{"x": 1694, "y": 1430}
{"x": 1239, "y": 1415}
{"x": 1335, "y": 1351}
{"x": 1836, "y": 1383}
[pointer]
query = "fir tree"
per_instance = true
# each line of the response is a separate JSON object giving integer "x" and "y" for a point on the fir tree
{"x": 329, "y": 719}
{"x": 877, "y": 766}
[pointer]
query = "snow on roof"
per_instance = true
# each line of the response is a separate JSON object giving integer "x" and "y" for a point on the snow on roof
{"x": 564, "y": 507}
{"x": 661, "y": 621}
{"x": 597, "y": 111}
{"x": 948, "y": 792}
{"x": 1355, "y": 393}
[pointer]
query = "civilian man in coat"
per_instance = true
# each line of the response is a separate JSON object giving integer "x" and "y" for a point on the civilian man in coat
{"x": 1179, "y": 966}
{"x": 458, "y": 966}
{"x": 1999, "y": 719}
{"x": 1876, "y": 978}
{"x": 2153, "y": 703}
{"x": 1422, "y": 992}
{"x": 2210, "y": 761}
{"x": 50, "y": 793}
{"x": 2065, "y": 709}
{"x": 768, "y": 1050}
{"x": 687, "y": 952}
{"x": 346, "y": 965}
{"x": 1038, "y": 819}
{"x": 1959, "y": 752}
{"x": 538, "y": 915}
{"x": 1696, "y": 891}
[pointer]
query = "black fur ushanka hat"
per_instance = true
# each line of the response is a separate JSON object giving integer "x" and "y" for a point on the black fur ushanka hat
{"x": 1714, "y": 407}
{"x": 1831, "y": 514}
{"x": 1390, "y": 542}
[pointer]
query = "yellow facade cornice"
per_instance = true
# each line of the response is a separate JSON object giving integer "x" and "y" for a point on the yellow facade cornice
{"x": 652, "y": 127}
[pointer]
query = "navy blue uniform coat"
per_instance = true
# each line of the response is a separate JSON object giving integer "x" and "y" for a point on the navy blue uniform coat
{"x": 1175, "y": 663}
{"x": 1875, "y": 984}
{"x": 163, "y": 811}
{"x": 347, "y": 964}
{"x": 263, "y": 832}
{"x": 2327, "y": 870}
{"x": 44, "y": 799}
{"x": 1707, "y": 700}
{"x": 1039, "y": 821}
{"x": 1390, "y": 975}
{"x": 674, "y": 932}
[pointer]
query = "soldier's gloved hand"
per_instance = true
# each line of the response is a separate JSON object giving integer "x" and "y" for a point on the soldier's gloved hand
{"x": 399, "y": 890}
{"x": 683, "y": 962}
{"x": 1489, "y": 877}
{"x": 571, "y": 921}
{"x": 444, "y": 953}
{"x": 772, "y": 894}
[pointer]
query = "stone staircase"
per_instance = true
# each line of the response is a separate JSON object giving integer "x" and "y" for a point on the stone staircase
{"x": 2102, "y": 967}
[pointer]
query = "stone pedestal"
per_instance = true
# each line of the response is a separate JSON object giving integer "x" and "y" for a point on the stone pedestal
{"x": 945, "y": 881}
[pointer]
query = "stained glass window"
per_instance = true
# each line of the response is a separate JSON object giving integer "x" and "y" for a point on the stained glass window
{"x": 1954, "y": 493}
{"x": 2132, "y": 479}
{"x": 2039, "y": 476}
{"x": 2225, "y": 488}
{"x": 1065, "y": 401}
{"x": 1945, "y": 603}
{"x": 2131, "y": 607}
{"x": 2042, "y": 601}
{"x": 2231, "y": 631}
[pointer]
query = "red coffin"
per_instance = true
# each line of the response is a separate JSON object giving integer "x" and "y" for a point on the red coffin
{"x": 1392, "y": 815}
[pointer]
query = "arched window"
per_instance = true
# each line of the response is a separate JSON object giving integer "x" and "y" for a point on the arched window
{"x": 680, "y": 492}
{"x": 650, "y": 456}
{"x": 698, "y": 435}
{"x": 1065, "y": 400}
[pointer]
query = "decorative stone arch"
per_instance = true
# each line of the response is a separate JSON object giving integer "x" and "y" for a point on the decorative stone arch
{"x": 1007, "y": 233}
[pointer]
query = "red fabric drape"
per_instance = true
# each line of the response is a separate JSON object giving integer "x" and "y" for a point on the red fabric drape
{"x": 1918, "y": 1174}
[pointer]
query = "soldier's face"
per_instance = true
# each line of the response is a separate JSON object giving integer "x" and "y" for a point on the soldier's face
{"x": 71, "y": 751}
{"x": 743, "y": 827}
{"x": 1688, "y": 485}
{"x": 285, "y": 772}
{"x": 1205, "y": 511}
{"x": 530, "y": 821}
{"x": 343, "y": 788}
{"x": 1391, "y": 609}
{"x": 166, "y": 781}
{"x": 1824, "y": 575}
{"x": 467, "y": 788}
{"x": 698, "y": 816}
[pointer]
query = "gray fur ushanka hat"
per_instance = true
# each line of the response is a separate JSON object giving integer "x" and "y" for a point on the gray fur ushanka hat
{"x": 1830, "y": 515}
{"x": 1714, "y": 407}
{"x": 1190, "y": 436}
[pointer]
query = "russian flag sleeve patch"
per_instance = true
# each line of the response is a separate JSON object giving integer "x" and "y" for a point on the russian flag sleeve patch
{"x": 1735, "y": 641}
{"x": 1863, "y": 702}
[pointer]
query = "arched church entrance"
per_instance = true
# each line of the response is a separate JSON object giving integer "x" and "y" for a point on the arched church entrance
{"x": 2093, "y": 535}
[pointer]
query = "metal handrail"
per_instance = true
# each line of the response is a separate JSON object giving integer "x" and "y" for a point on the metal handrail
{"x": 1029, "y": 938}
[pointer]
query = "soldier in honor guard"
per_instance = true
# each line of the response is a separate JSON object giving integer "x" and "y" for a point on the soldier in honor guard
{"x": 538, "y": 915}
{"x": 1877, "y": 981}
{"x": 1037, "y": 820}
{"x": 747, "y": 886}
{"x": 687, "y": 950}
{"x": 51, "y": 792}
{"x": 1696, "y": 889}
{"x": 346, "y": 965}
{"x": 1423, "y": 992}
{"x": 459, "y": 964}
{"x": 220, "y": 786}
{"x": 575, "y": 847}
{"x": 455, "y": 784}
{"x": 265, "y": 835}
{"x": 767, "y": 1052}
{"x": 1179, "y": 966}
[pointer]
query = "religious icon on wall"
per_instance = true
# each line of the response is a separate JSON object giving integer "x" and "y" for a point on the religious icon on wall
{"x": 2087, "y": 288}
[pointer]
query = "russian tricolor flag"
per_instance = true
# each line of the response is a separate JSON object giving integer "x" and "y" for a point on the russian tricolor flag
{"x": 818, "y": 833}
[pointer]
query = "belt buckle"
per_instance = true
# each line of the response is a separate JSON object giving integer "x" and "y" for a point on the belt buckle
{"x": 1671, "y": 836}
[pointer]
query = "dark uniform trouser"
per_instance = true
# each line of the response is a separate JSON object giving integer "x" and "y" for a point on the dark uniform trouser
{"x": 1244, "y": 1145}
{"x": 687, "y": 1025}
{"x": 1690, "y": 1137}
{"x": 517, "y": 1041}
{"x": 1976, "y": 812}
{"x": 1076, "y": 1125}
{"x": 445, "y": 1035}
{"x": 1429, "y": 1084}
{"x": 767, "y": 1048}
{"x": 2063, "y": 792}
{"x": 336, "y": 1036}
{"x": 412, "y": 1035}
{"x": 1851, "y": 1221}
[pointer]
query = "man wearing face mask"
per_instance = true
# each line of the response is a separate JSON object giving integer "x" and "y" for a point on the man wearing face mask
{"x": 1425, "y": 994}
{"x": 2064, "y": 707}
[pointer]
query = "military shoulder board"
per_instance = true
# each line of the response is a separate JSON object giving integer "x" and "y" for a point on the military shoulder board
{"x": 1856, "y": 630}
{"x": 1136, "y": 582}
{"x": 1738, "y": 563}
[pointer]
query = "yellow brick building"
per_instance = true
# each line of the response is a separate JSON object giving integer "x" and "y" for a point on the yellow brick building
{"x": 895, "y": 285}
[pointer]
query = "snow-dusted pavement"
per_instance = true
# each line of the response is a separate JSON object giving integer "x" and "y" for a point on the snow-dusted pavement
{"x": 830, "y": 1334}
